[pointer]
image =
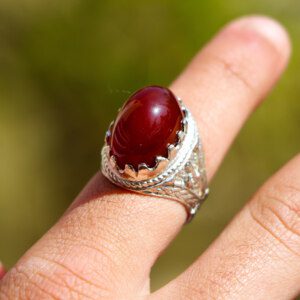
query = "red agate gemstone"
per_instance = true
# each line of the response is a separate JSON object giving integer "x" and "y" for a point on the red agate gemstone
{"x": 147, "y": 123}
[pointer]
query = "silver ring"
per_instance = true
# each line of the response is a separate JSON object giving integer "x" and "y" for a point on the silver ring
{"x": 181, "y": 176}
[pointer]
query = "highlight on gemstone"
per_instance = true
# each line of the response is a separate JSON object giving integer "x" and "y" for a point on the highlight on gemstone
{"x": 147, "y": 124}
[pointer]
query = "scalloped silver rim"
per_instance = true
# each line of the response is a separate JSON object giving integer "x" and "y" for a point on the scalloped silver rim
{"x": 144, "y": 171}
{"x": 184, "y": 150}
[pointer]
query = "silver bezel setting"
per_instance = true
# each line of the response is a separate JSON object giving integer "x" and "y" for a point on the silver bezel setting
{"x": 181, "y": 176}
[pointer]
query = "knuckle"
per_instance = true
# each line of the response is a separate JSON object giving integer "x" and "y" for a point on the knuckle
{"x": 277, "y": 210}
{"x": 20, "y": 284}
{"x": 82, "y": 256}
{"x": 246, "y": 58}
{"x": 78, "y": 258}
{"x": 231, "y": 68}
{"x": 32, "y": 280}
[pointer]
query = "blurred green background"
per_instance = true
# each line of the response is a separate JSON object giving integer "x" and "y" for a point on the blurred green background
{"x": 65, "y": 68}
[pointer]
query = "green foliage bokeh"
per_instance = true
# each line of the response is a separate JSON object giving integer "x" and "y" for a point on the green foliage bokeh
{"x": 65, "y": 68}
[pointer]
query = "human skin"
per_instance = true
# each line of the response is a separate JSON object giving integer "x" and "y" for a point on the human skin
{"x": 106, "y": 243}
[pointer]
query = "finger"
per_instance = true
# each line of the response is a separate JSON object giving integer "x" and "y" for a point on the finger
{"x": 2, "y": 271}
{"x": 109, "y": 244}
{"x": 228, "y": 79}
{"x": 258, "y": 255}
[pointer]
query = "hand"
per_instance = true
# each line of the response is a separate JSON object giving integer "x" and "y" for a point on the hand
{"x": 105, "y": 245}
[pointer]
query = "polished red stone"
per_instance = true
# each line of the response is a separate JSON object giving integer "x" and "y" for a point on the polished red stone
{"x": 146, "y": 125}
